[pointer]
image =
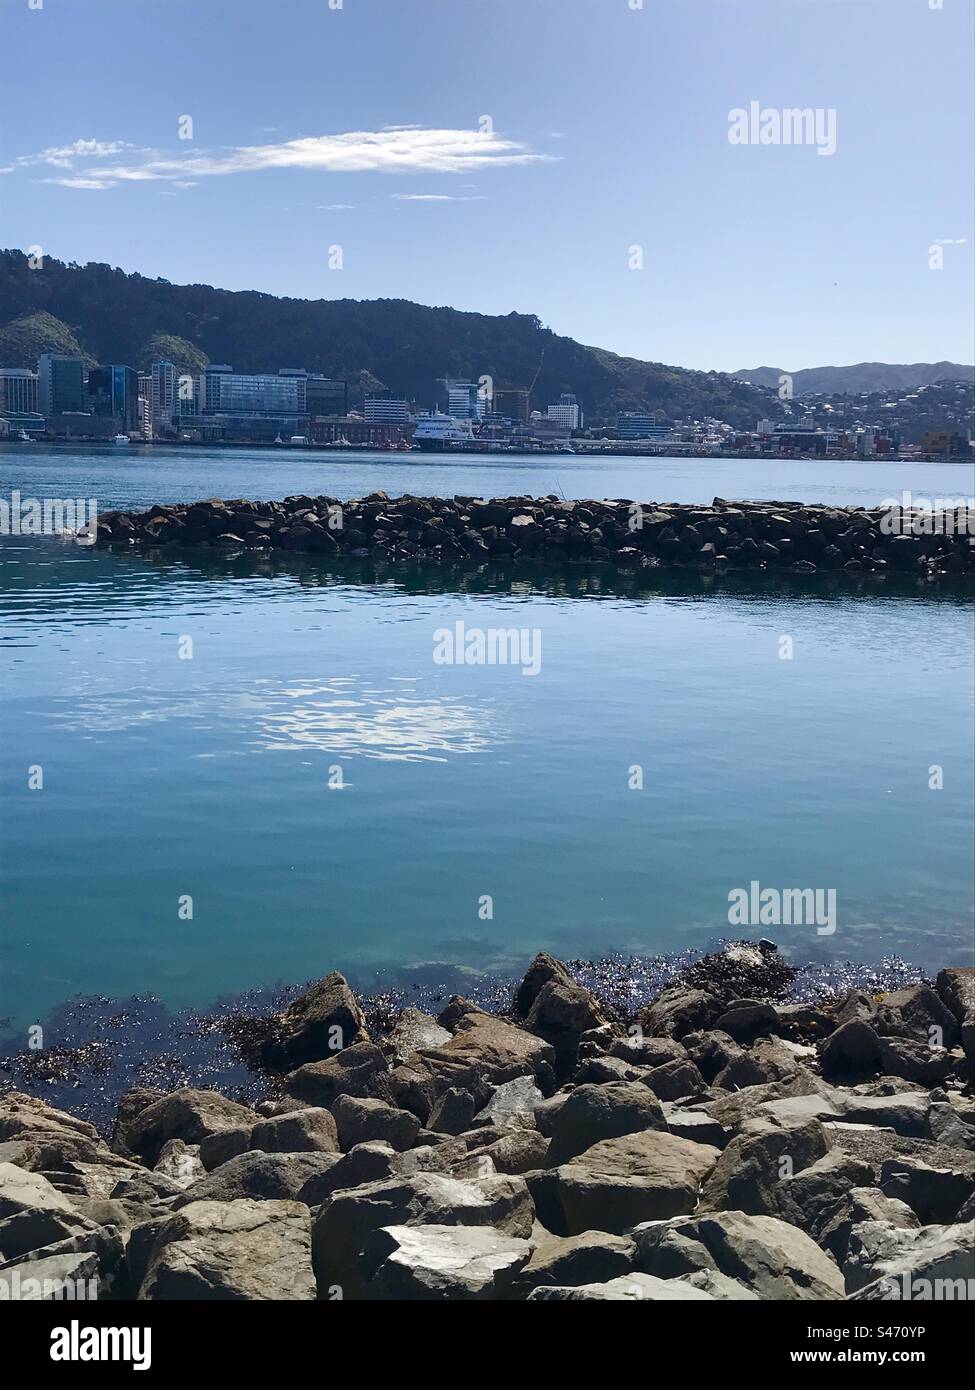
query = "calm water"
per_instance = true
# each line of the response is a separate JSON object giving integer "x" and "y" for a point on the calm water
{"x": 209, "y": 777}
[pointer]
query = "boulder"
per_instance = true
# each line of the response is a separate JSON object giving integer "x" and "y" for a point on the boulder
{"x": 747, "y": 1019}
{"x": 835, "y": 1224}
{"x": 180, "y": 1162}
{"x": 675, "y": 1080}
{"x": 886, "y": 1262}
{"x": 225, "y": 1144}
{"x": 444, "y": 1263}
{"x": 310, "y": 1130}
{"x": 935, "y": 1194}
{"x": 618, "y": 1182}
{"x": 239, "y": 1250}
{"x": 917, "y": 1012}
{"x": 260, "y": 1176}
{"x": 544, "y": 970}
{"x": 514, "y": 1104}
{"x": 590, "y": 1258}
{"x": 625, "y": 1288}
{"x": 360, "y": 1118}
{"x": 371, "y": 1162}
{"x": 520, "y": 1152}
{"x": 185, "y": 1114}
{"x": 562, "y": 1012}
{"x": 344, "y": 1222}
{"x": 594, "y": 1113}
{"x": 359, "y": 1070}
{"x": 776, "y": 1261}
{"x": 677, "y": 1010}
{"x": 486, "y": 1051}
{"x": 318, "y": 1024}
{"x": 750, "y": 1171}
{"x": 415, "y": 1029}
{"x": 453, "y": 1112}
{"x": 852, "y": 1051}
{"x": 915, "y": 1061}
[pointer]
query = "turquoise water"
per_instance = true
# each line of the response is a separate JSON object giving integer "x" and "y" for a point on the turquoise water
{"x": 209, "y": 777}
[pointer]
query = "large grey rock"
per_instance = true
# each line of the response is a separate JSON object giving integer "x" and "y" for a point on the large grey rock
{"x": 449, "y": 1263}
{"x": 186, "y": 1114}
{"x": 415, "y": 1029}
{"x": 593, "y": 1113}
{"x": 590, "y": 1258}
{"x": 851, "y": 1052}
{"x": 453, "y": 1111}
{"x": 237, "y": 1250}
{"x": 320, "y": 1023}
{"x": 885, "y": 1261}
{"x": 749, "y": 1174}
{"x": 675, "y": 1080}
{"x": 544, "y": 969}
{"x": 637, "y": 1177}
{"x": 773, "y": 1259}
{"x": 836, "y": 1222}
{"x": 624, "y": 1289}
{"x": 359, "y": 1070}
{"x": 485, "y": 1051}
{"x": 260, "y": 1176}
{"x": 914, "y": 1060}
{"x": 514, "y": 1104}
{"x": 935, "y": 1194}
{"x": 361, "y": 1118}
{"x": 344, "y": 1223}
{"x": 678, "y": 1010}
{"x": 310, "y": 1130}
{"x": 364, "y": 1163}
{"x": 917, "y": 1012}
{"x": 54, "y": 1278}
{"x": 522, "y": 1151}
{"x": 561, "y": 1013}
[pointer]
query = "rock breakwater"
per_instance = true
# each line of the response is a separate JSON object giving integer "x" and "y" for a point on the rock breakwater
{"x": 720, "y": 1145}
{"x": 783, "y": 536}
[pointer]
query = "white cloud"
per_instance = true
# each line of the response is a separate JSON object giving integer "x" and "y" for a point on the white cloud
{"x": 335, "y": 207}
{"x": 394, "y": 150}
{"x": 435, "y": 198}
{"x": 78, "y": 181}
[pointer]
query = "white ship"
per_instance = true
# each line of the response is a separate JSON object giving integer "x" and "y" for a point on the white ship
{"x": 436, "y": 433}
{"x": 122, "y": 439}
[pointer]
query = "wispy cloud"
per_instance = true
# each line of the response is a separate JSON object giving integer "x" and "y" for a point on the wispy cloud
{"x": 394, "y": 150}
{"x": 437, "y": 198}
{"x": 335, "y": 207}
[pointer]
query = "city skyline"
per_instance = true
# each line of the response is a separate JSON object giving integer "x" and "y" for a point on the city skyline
{"x": 446, "y": 154}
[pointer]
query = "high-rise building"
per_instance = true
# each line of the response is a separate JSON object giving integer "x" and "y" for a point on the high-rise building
{"x": 227, "y": 392}
{"x": 464, "y": 399}
{"x": 163, "y": 397}
{"x": 114, "y": 391}
{"x": 566, "y": 412}
{"x": 18, "y": 389}
{"x": 511, "y": 403}
{"x": 60, "y": 384}
{"x": 386, "y": 410}
{"x": 325, "y": 396}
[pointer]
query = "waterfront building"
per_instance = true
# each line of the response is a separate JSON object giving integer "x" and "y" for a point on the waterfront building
{"x": 634, "y": 425}
{"x": 253, "y": 393}
{"x": 114, "y": 391}
{"x": 60, "y": 384}
{"x": 566, "y": 412}
{"x": 464, "y": 399}
{"x": 386, "y": 410}
{"x": 18, "y": 389}
{"x": 325, "y": 396}
{"x": 511, "y": 403}
{"x": 163, "y": 397}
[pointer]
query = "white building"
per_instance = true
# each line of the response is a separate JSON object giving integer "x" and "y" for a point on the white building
{"x": 18, "y": 389}
{"x": 566, "y": 413}
{"x": 163, "y": 396}
{"x": 385, "y": 410}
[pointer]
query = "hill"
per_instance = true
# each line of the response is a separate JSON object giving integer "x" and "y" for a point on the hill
{"x": 861, "y": 377}
{"x": 24, "y": 340}
{"x": 402, "y": 345}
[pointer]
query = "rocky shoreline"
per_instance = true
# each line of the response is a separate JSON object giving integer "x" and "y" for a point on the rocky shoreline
{"x": 781, "y": 536}
{"x": 720, "y": 1144}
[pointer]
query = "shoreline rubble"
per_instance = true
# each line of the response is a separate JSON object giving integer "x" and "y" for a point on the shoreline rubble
{"x": 721, "y": 1142}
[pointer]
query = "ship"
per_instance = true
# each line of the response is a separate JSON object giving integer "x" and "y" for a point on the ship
{"x": 437, "y": 433}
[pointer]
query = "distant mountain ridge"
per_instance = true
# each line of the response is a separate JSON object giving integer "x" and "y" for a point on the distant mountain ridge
{"x": 395, "y": 343}
{"x": 861, "y": 376}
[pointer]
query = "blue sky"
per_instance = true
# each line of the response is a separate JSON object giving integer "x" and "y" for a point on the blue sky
{"x": 608, "y": 130}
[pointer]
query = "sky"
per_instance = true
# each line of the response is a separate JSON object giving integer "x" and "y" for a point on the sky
{"x": 567, "y": 158}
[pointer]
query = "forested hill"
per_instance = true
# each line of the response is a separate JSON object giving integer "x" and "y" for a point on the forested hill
{"x": 115, "y": 317}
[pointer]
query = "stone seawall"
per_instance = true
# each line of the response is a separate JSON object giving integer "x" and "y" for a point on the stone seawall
{"x": 783, "y": 536}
